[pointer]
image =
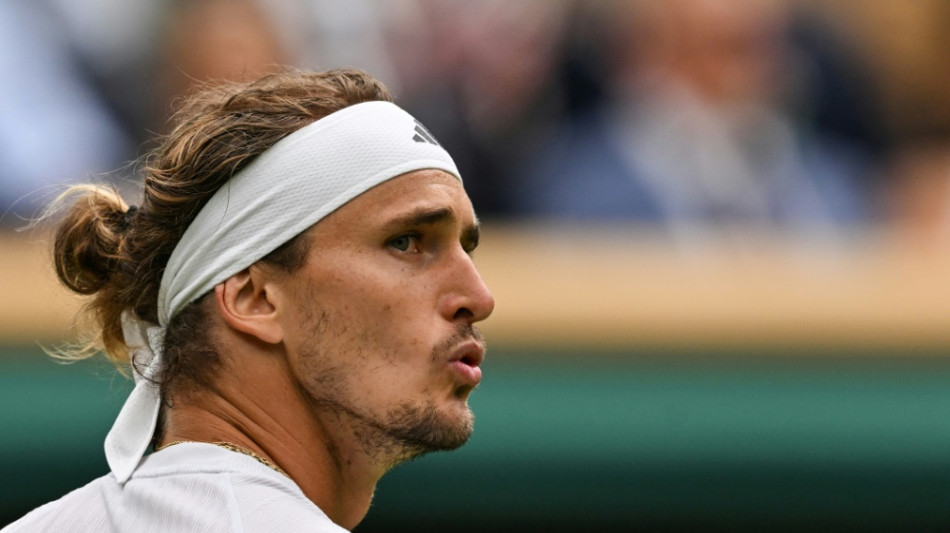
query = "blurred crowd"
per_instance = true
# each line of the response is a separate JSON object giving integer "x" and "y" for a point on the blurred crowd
{"x": 703, "y": 119}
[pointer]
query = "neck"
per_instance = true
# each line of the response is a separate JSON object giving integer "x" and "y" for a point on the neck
{"x": 273, "y": 419}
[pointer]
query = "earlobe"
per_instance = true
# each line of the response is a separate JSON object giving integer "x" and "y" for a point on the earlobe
{"x": 245, "y": 306}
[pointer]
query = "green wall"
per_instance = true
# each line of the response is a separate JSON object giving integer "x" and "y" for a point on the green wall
{"x": 568, "y": 440}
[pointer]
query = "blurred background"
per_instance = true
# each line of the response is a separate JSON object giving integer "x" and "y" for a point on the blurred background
{"x": 718, "y": 233}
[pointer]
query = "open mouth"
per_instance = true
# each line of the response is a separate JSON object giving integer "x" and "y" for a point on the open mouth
{"x": 470, "y": 360}
{"x": 466, "y": 361}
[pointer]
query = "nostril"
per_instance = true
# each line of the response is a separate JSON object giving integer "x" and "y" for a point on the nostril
{"x": 464, "y": 312}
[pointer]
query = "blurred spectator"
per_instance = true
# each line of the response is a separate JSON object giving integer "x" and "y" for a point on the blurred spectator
{"x": 918, "y": 199}
{"x": 56, "y": 125}
{"x": 324, "y": 34}
{"x": 698, "y": 136}
{"x": 907, "y": 44}
{"x": 210, "y": 40}
{"x": 485, "y": 77}
{"x": 95, "y": 79}
{"x": 698, "y": 116}
{"x": 206, "y": 41}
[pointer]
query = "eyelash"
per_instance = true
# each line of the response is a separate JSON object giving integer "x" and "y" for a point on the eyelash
{"x": 417, "y": 238}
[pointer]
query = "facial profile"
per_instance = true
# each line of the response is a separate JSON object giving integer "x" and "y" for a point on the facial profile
{"x": 380, "y": 327}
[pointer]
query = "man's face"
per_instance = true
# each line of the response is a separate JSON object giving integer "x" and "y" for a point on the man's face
{"x": 380, "y": 336}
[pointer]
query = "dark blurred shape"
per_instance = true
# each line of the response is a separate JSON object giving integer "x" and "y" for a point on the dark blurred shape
{"x": 703, "y": 132}
{"x": 488, "y": 79}
{"x": 906, "y": 46}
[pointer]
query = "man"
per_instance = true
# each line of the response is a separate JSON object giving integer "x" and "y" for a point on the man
{"x": 299, "y": 299}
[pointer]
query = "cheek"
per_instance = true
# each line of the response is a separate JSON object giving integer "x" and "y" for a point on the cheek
{"x": 377, "y": 314}
{"x": 394, "y": 311}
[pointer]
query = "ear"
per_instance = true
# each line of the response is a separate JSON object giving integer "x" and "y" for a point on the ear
{"x": 243, "y": 303}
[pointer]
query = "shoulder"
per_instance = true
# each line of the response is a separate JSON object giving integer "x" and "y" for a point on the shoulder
{"x": 192, "y": 488}
{"x": 254, "y": 497}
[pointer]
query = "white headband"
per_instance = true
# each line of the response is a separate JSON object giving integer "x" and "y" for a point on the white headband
{"x": 285, "y": 190}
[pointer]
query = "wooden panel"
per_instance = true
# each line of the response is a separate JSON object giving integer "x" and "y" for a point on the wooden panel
{"x": 606, "y": 287}
{"x": 33, "y": 306}
{"x": 599, "y": 287}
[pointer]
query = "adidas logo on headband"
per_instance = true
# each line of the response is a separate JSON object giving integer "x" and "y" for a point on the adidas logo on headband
{"x": 423, "y": 136}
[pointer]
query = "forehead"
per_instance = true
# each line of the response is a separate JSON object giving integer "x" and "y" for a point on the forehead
{"x": 411, "y": 192}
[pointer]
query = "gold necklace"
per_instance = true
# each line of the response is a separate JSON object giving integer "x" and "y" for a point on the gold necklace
{"x": 234, "y": 448}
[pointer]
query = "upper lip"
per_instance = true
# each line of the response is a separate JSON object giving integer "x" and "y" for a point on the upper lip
{"x": 470, "y": 352}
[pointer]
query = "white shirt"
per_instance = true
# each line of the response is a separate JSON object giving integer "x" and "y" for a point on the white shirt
{"x": 189, "y": 487}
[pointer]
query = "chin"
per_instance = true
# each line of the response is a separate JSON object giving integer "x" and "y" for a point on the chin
{"x": 428, "y": 429}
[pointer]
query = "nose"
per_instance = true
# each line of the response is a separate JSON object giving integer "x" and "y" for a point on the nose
{"x": 467, "y": 297}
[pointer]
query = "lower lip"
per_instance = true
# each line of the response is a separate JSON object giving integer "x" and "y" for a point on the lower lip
{"x": 470, "y": 374}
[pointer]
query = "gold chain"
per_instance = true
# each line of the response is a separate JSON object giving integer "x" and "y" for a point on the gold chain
{"x": 234, "y": 448}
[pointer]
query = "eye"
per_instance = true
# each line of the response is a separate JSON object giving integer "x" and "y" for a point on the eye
{"x": 470, "y": 241}
{"x": 405, "y": 243}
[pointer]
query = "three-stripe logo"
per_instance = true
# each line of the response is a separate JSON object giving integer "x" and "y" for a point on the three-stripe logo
{"x": 423, "y": 136}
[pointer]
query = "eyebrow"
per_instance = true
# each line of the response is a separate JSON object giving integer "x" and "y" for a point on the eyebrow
{"x": 425, "y": 216}
{"x": 429, "y": 216}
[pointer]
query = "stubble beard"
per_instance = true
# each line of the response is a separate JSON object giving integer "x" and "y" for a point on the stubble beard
{"x": 404, "y": 432}
{"x": 410, "y": 431}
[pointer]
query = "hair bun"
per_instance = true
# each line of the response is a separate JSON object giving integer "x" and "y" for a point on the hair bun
{"x": 87, "y": 249}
